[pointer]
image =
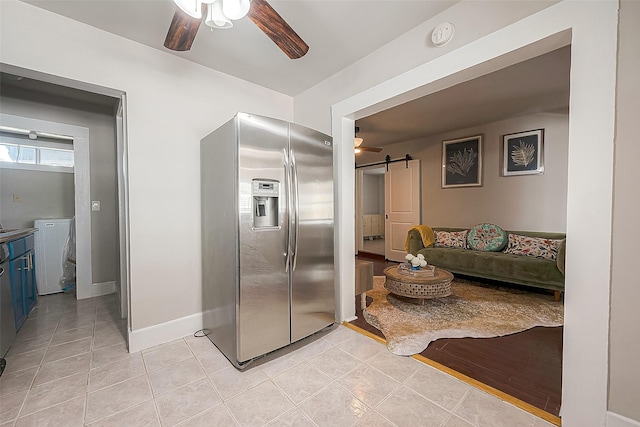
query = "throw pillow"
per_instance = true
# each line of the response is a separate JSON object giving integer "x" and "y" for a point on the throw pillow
{"x": 451, "y": 239}
{"x": 487, "y": 237}
{"x": 533, "y": 246}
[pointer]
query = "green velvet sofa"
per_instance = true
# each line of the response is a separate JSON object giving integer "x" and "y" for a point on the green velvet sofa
{"x": 504, "y": 267}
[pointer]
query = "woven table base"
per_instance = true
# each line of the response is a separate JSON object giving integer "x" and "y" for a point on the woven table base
{"x": 437, "y": 286}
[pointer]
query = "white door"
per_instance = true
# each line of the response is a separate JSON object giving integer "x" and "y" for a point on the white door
{"x": 402, "y": 206}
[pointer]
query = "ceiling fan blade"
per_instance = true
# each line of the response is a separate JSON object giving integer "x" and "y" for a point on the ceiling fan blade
{"x": 183, "y": 30}
{"x": 277, "y": 29}
{"x": 372, "y": 149}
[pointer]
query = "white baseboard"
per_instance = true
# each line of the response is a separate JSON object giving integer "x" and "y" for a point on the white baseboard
{"x": 144, "y": 338}
{"x": 97, "y": 290}
{"x": 616, "y": 420}
{"x": 104, "y": 288}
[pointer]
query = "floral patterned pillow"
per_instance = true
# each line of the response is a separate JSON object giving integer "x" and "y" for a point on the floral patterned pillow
{"x": 451, "y": 239}
{"x": 533, "y": 246}
{"x": 487, "y": 237}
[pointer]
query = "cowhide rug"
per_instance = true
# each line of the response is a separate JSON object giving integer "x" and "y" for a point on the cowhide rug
{"x": 472, "y": 310}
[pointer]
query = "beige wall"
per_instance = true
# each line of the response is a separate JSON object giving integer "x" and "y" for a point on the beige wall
{"x": 624, "y": 350}
{"x": 373, "y": 194}
{"x": 592, "y": 31}
{"x": 100, "y": 121}
{"x": 408, "y": 51}
{"x": 171, "y": 104}
{"x": 44, "y": 195}
{"x": 528, "y": 202}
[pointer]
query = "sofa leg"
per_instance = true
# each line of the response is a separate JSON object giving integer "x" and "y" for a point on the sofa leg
{"x": 556, "y": 296}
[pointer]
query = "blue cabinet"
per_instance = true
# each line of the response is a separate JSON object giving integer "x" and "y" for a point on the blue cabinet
{"x": 22, "y": 274}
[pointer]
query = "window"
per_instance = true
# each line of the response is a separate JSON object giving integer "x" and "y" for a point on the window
{"x": 20, "y": 152}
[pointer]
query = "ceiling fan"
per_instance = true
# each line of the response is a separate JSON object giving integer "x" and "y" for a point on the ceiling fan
{"x": 358, "y": 148}
{"x": 189, "y": 15}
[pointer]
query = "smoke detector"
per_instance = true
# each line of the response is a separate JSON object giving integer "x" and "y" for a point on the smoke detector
{"x": 442, "y": 34}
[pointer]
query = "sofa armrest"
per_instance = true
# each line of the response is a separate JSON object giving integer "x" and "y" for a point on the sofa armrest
{"x": 415, "y": 242}
{"x": 561, "y": 256}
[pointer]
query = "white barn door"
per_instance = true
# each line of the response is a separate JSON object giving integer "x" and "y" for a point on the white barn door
{"x": 402, "y": 206}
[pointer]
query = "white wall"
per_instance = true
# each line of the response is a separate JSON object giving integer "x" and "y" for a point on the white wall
{"x": 171, "y": 105}
{"x": 527, "y": 202}
{"x": 624, "y": 384}
{"x": 592, "y": 27}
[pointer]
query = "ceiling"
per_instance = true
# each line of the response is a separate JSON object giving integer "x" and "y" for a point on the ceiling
{"x": 540, "y": 84}
{"x": 338, "y": 33}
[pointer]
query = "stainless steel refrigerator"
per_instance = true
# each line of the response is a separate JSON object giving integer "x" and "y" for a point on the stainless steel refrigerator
{"x": 267, "y": 235}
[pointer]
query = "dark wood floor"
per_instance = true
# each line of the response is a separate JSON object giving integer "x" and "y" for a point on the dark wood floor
{"x": 526, "y": 365}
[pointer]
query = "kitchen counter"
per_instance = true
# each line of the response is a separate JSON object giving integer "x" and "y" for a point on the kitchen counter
{"x": 9, "y": 234}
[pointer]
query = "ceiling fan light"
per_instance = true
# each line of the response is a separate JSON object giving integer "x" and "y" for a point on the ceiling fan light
{"x": 357, "y": 141}
{"x": 357, "y": 151}
{"x": 216, "y": 18}
{"x": 235, "y": 9}
{"x": 192, "y": 8}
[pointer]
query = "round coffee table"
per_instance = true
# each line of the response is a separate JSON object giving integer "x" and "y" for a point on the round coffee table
{"x": 419, "y": 287}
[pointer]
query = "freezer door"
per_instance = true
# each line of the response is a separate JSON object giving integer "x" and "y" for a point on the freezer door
{"x": 312, "y": 289}
{"x": 263, "y": 299}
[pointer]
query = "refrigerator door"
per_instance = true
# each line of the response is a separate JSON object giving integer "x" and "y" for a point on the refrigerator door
{"x": 312, "y": 288}
{"x": 263, "y": 299}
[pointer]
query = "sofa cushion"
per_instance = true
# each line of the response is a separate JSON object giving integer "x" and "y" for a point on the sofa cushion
{"x": 533, "y": 246}
{"x": 487, "y": 237}
{"x": 510, "y": 268}
{"x": 451, "y": 239}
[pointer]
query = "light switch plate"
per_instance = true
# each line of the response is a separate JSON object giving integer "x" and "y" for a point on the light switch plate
{"x": 95, "y": 206}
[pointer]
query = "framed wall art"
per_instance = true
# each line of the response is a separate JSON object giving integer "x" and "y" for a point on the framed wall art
{"x": 523, "y": 153}
{"x": 462, "y": 162}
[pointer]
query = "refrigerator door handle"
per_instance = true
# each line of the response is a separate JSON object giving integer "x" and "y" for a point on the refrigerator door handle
{"x": 296, "y": 203}
{"x": 287, "y": 186}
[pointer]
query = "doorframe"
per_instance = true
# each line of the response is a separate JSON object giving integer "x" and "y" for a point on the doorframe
{"x": 82, "y": 190}
{"x": 591, "y": 125}
{"x": 122, "y": 148}
{"x": 359, "y": 203}
{"x": 122, "y": 180}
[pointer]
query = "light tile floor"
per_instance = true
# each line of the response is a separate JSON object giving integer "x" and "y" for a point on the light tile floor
{"x": 70, "y": 367}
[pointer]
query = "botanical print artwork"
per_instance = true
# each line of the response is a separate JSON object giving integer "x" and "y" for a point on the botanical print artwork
{"x": 523, "y": 153}
{"x": 462, "y": 162}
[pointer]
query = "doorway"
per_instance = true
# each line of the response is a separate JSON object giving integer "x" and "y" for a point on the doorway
{"x": 585, "y": 371}
{"x": 101, "y": 228}
{"x": 81, "y": 183}
{"x": 370, "y": 196}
